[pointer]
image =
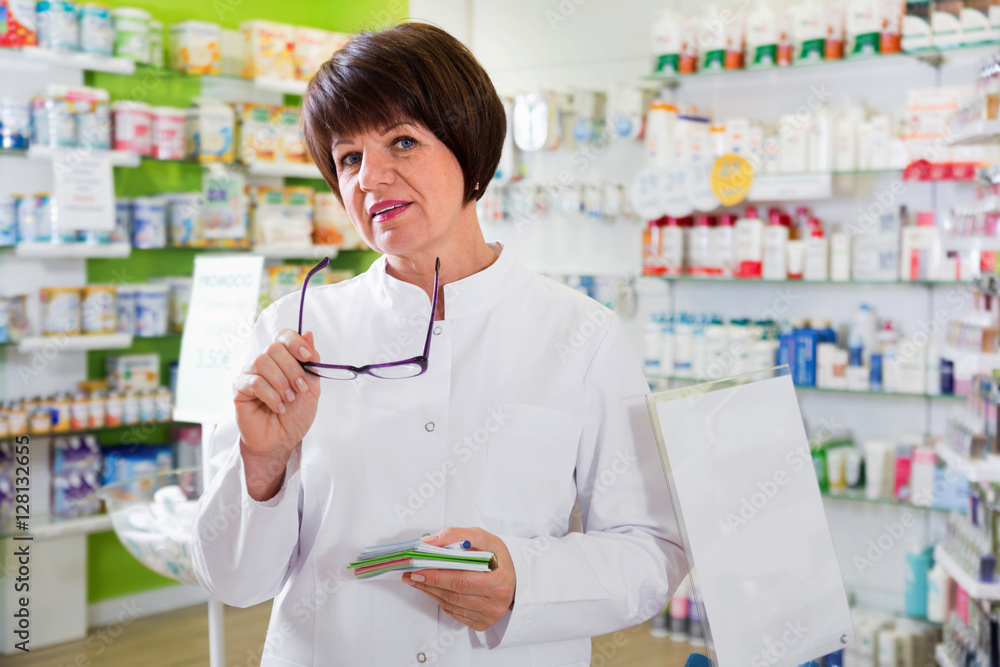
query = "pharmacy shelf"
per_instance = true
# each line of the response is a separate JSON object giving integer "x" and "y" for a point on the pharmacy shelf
{"x": 284, "y": 169}
{"x": 286, "y": 86}
{"x": 975, "y": 470}
{"x": 296, "y": 251}
{"x": 102, "y": 429}
{"x": 49, "y": 527}
{"x": 72, "y": 250}
{"x": 791, "y": 187}
{"x": 846, "y": 283}
{"x": 34, "y": 55}
{"x": 977, "y": 590}
{"x": 118, "y": 158}
{"x": 849, "y": 392}
{"x": 978, "y": 132}
{"x": 856, "y": 496}
{"x": 941, "y": 655}
{"x": 114, "y": 341}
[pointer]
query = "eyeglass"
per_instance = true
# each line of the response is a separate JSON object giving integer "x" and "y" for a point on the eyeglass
{"x": 393, "y": 370}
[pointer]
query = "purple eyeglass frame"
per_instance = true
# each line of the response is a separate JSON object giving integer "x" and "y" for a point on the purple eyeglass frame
{"x": 420, "y": 361}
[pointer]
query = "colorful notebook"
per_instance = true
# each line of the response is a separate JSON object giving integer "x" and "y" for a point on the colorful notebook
{"x": 417, "y": 555}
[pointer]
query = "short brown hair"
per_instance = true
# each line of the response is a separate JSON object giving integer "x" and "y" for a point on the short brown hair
{"x": 410, "y": 72}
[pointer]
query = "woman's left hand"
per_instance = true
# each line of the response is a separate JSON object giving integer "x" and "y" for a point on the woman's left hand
{"x": 476, "y": 599}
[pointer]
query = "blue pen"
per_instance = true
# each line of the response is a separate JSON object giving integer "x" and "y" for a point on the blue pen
{"x": 464, "y": 544}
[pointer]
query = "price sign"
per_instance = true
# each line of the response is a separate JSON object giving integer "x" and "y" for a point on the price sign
{"x": 732, "y": 178}
{"x": 656, "y": 192}
{"x": 84, "y": 190}
{"x": 220, "y": 318}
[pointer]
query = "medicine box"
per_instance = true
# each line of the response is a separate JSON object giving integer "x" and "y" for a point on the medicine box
{"x": 194, "y": 47}
{"x": 131, "y": 372}
{"x": 268, "y": 50}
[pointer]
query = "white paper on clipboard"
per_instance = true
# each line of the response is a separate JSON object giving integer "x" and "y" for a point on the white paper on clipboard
{"x": 749, "y": 506}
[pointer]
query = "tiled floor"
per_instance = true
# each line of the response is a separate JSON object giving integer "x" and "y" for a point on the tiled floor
{"x": 180, "y": 639}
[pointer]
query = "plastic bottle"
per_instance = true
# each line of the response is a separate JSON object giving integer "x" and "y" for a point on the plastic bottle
{"x": 888, "y": 341}
{"x": 652, "y": 264}
{"x": 672, "y": 247}
{"x": 748, "y": 235}
{"x": 840, "y": 257}
{"x": 660, "y": 124}
{"x": 922, "y": 477}
{"x": 786, "y": 344}
{"x": 739, "y": 347}
{"x": 918, "y": 563}
{"x": 699, "y": 259}
{"x": 938, "y": 597}
{"x": 824, "y": 331}
{"x": 775, "y": 264}
{"x": 720, "y": 246}
{"x": 817, "y": 265}
{"x": 864, "y": 333}
{"x": 804, "y": 368}
{"x": 765, "y": 352}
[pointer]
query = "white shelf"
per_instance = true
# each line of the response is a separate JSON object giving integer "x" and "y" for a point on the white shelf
{"x": 942, "y": 656}
{"x": 118, "y": 158}
{"x": 284, "y": 169}
{"x": 77, "y": 60}
{"x": 72, "y": 250}
{"x": 287, "y": 86}
{"x": 978, "y": 132}
{"x": 296, "y": 251}
{"x": 51, "y": 527}
{"x": 976, "y": 470}
{"x": 976, "y": 589}
{"x": 76, "y": 343}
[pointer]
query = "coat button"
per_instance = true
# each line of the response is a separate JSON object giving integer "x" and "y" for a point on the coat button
{"x": 421, "y": 657}
{"x": 437, "y": 331}
{"x": 429, "y": 426}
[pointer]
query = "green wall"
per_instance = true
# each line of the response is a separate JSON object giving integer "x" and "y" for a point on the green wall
{"x": 111, "y": 570}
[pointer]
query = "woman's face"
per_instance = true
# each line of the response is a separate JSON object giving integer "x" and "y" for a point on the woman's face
{"x": 401, "y": 186}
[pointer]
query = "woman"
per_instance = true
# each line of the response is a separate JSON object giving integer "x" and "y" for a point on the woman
{"x": 522, "y": 410}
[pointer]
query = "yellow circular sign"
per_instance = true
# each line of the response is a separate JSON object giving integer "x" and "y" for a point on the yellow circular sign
{"x": 731, "y": 179}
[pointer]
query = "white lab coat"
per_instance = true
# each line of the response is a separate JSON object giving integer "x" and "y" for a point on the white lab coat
{"x": 532, "y": 400}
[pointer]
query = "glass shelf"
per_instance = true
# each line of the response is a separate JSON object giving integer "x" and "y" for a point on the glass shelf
{"x": 48, "y": 526}
{"x": 761, "y": 281}
{"x": 674, "y": 378}
{"x": 928, "y": 55}
{"x": 102, "y": 429}
{"x": 858, "y": 496}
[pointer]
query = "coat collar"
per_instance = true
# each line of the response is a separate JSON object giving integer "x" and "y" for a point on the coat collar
{"x": 470, "y": 294}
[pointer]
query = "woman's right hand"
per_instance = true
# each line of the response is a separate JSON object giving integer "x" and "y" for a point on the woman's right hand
{"x": 276, "y": 399}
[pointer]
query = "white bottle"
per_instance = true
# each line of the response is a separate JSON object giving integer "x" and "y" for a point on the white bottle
{"x": 720, "y": 247}
{"x": 922, "y": 477}
{"x": 699, "y": 257}
{"x": 865, "y": 324}
{"x": 775, "y": 265}
{"x": 888, "y": 341}
{"x": 764, "y": 353}
{"x": 661, "y": 123}
{"x": 840, "y": 257}
{"x": 846, "y": 140}
{"x": 739, "y": 348}
{"x": 672, "y": 247}
{"x": 748, "y": 235}
{"x": 793, "y": 145}
{"x": 820, "y": 141}
{"x": 938, "y": 599}
{"x": 817, "y": 256}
